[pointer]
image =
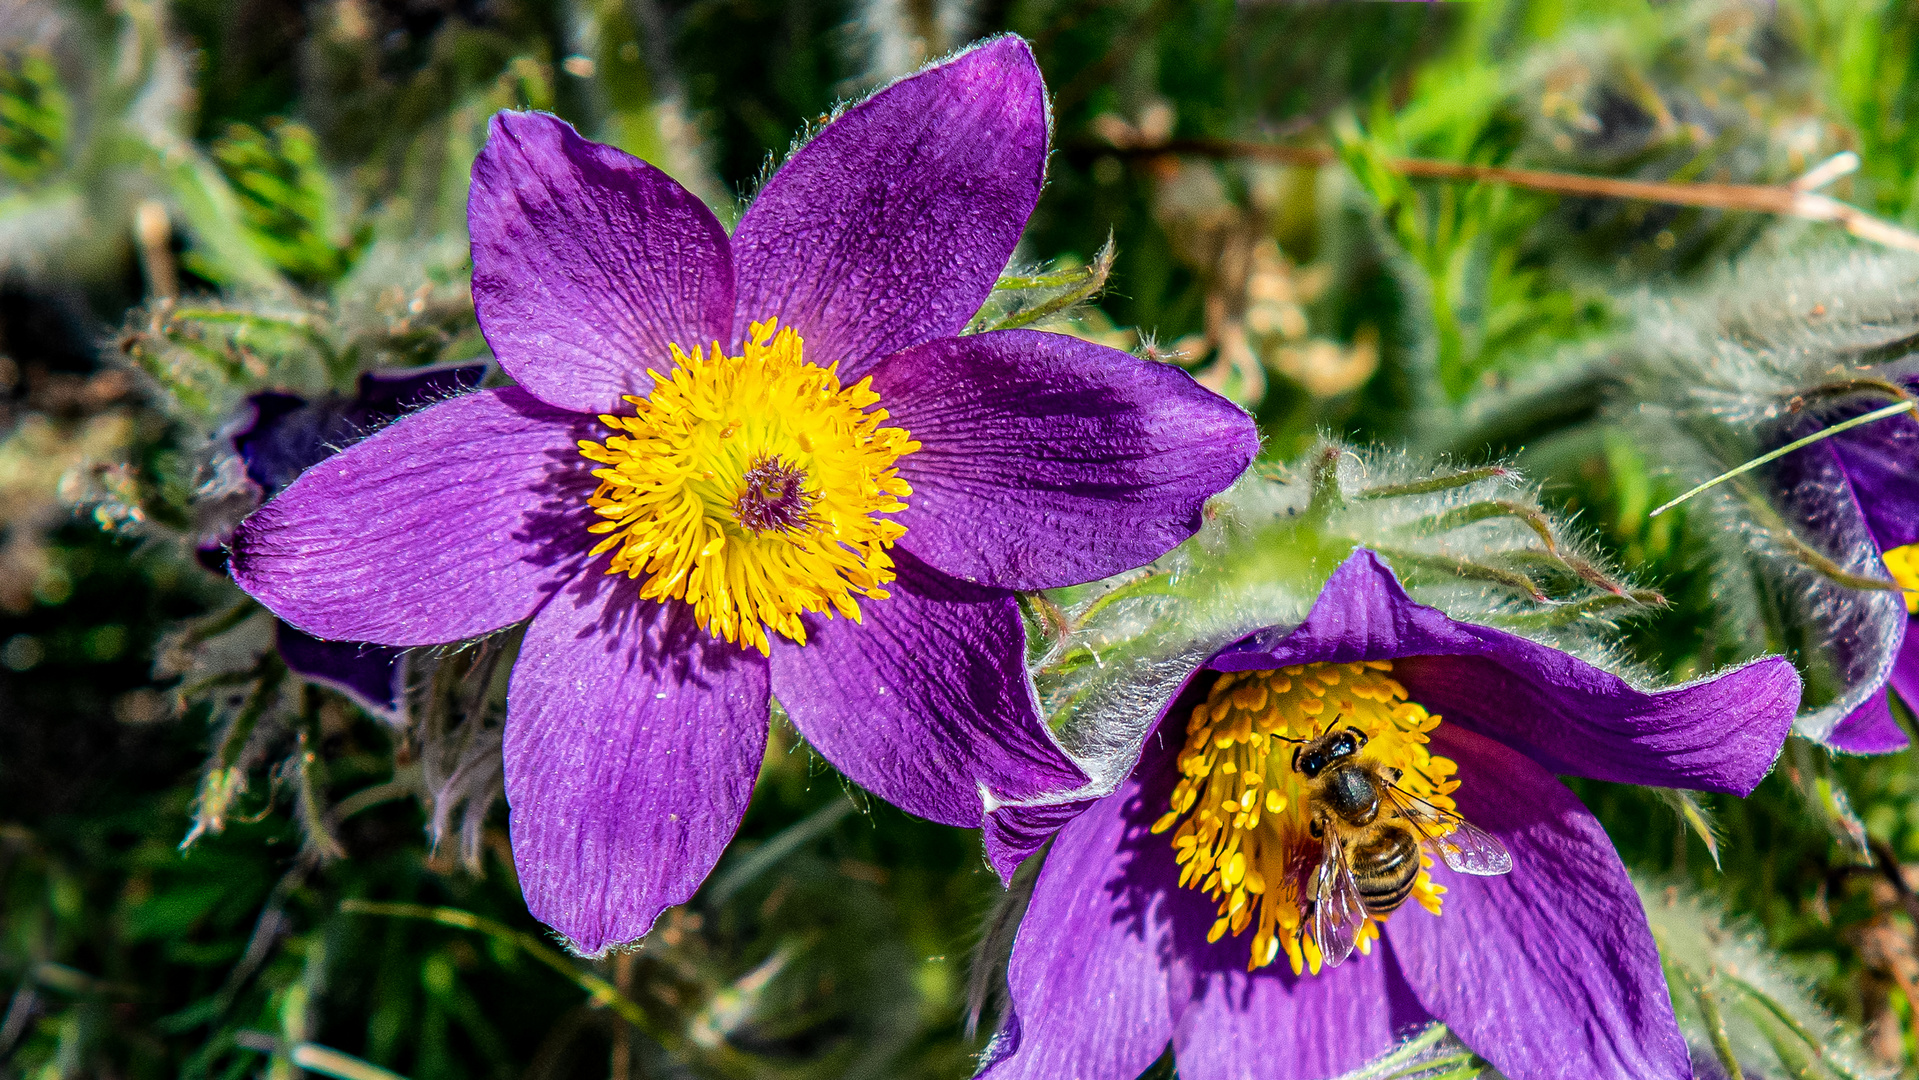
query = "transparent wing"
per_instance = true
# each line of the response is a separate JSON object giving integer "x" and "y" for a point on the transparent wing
{"x": 1467, "y": 848}
{"x": 1338, "y": 912}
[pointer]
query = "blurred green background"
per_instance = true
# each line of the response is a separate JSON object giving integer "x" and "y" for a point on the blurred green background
{"x": 201, "y": 199}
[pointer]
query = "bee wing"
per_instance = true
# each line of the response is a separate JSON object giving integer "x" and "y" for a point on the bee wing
{"x": 1467, "y": 848}
{"x": 1338, "y": 912}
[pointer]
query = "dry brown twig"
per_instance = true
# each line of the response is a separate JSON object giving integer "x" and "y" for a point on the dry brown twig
{"x": 1800, "y": 198}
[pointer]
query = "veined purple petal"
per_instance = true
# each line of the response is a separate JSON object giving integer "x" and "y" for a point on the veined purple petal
{"x": 1011, "y": 833}
{"x": 890, "y": 227}
{"x": 926, "y": 702}
{"x": 1045, "y": 460}
{"x": 1717, "y": 734}
{"x": 369, "y": 674}
{"x": 1273, "y": 1025}
{"x": 1870, "y": 729}
{"x": 1092, "y": 969}
{"x": 632, "y": 741}
{"x": 588, "y": 263}
{"x": 1550, "y": 971}
{"x": 454, "y": 522}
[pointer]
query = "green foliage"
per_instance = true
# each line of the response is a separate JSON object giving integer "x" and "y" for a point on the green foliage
{"x": 1741, "y": 1001}
{"x": 34, "y": 115}
{"x": 285, "y": 201}
{"x": 1866, "y": 56}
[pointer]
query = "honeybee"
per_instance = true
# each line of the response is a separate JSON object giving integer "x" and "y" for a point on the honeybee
{"x": 1370, "y": 831}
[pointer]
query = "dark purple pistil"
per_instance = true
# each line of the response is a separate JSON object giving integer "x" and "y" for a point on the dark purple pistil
{"x": 773, "y": 497}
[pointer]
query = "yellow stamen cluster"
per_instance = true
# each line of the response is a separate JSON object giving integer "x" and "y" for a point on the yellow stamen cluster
{"x": 1904, "y": 564}
{"x": 1243, "y": 812}
{"x": 749, "y": 487}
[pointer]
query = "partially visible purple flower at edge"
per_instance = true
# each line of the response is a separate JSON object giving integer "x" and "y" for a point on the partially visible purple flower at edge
{"x": 1548, "y": 971}
{"x": 1876, "y": 466}
{"x": 281, "y": 435}
{"x": 634, "y": 734}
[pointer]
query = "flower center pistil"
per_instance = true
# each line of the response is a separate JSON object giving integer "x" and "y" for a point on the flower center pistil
{"x": 1904, "y": 564}
{"x": 750, "y": 487}
{"x": 1245, "y": 821}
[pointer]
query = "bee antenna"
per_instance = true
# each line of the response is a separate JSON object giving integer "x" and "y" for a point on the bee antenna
{"x": 1283, "y": 738}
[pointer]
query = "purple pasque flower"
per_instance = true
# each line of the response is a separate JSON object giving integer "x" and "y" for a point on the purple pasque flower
{"x": 278, "y": 436}
{"x": 1859, "y": 489}
{"x": 1164, "y": 914}
{"x": 764, "y": 463}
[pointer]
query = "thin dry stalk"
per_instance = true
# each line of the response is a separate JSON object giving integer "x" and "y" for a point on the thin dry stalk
{"x": 1796, "y": 199}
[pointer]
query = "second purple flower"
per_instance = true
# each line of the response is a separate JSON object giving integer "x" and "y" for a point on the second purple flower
{"x": 1179, "y": 908}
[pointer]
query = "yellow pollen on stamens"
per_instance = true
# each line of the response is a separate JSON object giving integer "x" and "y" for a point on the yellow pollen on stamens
{"x": 750, "y": 487}
{"x": 1243, "y": 813}
{"x": 1904, "y": 564}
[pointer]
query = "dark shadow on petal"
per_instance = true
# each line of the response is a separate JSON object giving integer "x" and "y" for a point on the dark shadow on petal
{"x": 661, "y": 638}
{"x": 556, "y": 526}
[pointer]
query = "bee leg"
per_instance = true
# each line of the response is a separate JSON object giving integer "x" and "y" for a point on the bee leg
{"x": 1317, "y": 829}
{"x": 1358, "y": 735}
{"x": 1392, "y": 774}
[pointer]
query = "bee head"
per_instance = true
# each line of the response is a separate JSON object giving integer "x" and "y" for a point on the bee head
{"x": 1312, "y": 758}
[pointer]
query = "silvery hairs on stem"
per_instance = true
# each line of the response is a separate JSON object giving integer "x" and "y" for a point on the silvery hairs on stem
{"x": 1771, "y": 351}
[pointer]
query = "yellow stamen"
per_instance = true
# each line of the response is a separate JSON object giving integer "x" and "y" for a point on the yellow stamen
{"x": 751, "y": 487}
{"x": 1253, "y": 853}
{"x": 1904, "y": 564}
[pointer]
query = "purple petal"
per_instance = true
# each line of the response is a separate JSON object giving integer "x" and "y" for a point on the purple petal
{"x": 280, "y": 436}
{"x": 1905, "y": 670}
{"x": 454, "y": 522}
{"x": 890, "y": 227}
{"x": 1881, "y": 462}
{"x": 1273, "y": 1025}
{"x": 926, "y": 703}
{"x": 1549, "y": 971}
{"x": 1090, "y": 976}
{"x": 369, "y": 674}
{"x": 1048, "y": 461}
{"x": 632, "y": 741}
{"x": 1870, "y": 729}
{"x": 587, "y": 263}
{"x": 1718, "y": 734}
{"x": 1011, "y": 833}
